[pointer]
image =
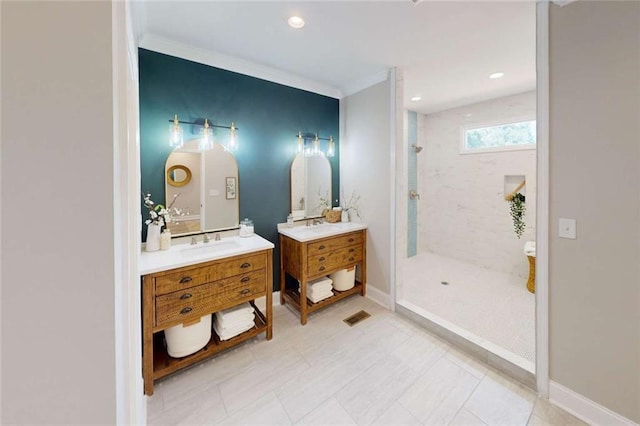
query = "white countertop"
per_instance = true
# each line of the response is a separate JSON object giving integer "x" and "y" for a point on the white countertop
{"x": 186, "y": 254}
{"x": 301, "y": 232}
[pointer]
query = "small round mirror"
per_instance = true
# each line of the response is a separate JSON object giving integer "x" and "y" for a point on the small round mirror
{"x": 178, "y": 175}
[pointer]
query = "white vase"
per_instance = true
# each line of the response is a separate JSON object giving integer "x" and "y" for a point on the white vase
{"x": 345, "y": 216}
{"x": 153, "y": 237}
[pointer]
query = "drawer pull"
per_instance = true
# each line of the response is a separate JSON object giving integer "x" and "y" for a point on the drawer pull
{"x": 185, "y": 280}
{"x": 186, "y": 310}
{"x": 245, "y": 291}
{"x": 351, "y": 259}
{"x": 351, "y": 240}
{"x": 245, "y": 265}
{"x": 321, "y": 259}
{"x": 185, "y": 296}
{"x": 321, "y": 268}
{"x": 245, "y": 279}
{"x": 351, "y": 250}
{"x": 321, "y": 247}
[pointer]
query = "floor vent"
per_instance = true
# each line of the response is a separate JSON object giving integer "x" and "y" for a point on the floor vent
{"x": 356, "y": 318}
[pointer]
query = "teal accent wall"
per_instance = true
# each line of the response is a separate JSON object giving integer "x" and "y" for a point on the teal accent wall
{"x": 412, "y": 172}
{"x": 268, "y": 115}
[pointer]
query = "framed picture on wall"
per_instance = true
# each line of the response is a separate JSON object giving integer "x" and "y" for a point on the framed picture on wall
{"x": 231, "y": 188}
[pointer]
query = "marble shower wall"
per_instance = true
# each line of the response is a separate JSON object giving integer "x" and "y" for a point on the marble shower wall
{"x": 462, "y": 212}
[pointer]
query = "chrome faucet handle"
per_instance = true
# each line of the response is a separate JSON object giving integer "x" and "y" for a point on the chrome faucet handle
{"x": 206, "y": 238}
{"x": 308, "y": 222}
{"x": 217, "y": 237}
{"x": 194, "y": 241}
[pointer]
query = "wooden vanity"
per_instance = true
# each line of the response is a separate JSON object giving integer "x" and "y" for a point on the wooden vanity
{"x": 182, "y": 295}
{"x": 307, "y": 254}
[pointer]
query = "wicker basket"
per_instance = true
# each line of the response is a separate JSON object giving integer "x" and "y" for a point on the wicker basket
{"x": 333, "y": 216}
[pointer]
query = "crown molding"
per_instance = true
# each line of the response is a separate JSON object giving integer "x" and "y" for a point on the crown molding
{"x": 242, "y": 66}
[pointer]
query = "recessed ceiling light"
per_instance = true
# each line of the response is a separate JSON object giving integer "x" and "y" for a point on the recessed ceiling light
{"x": 496, "y": 75}
{"x": 296, "y": 22}
{"x": 416, "y": 98}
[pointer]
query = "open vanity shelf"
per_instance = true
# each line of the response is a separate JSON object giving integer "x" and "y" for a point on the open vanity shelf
{"x": 163, "y": 364}
{"x": 308, "y": 254}
{"x": 173, "y": 294}
{"x": 293, "y": 297}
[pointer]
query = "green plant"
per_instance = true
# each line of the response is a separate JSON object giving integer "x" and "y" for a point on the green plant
{"x": 517, "y": 209}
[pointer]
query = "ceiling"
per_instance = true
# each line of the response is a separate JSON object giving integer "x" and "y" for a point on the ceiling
{"x": 446, "y": 50}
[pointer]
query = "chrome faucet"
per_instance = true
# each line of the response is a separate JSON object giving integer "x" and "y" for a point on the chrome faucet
{"x": 206, "y": 238}
{"x": 217, "y": 237}
{"x": 194, "y": 241}
{"x": 317, "y": 221}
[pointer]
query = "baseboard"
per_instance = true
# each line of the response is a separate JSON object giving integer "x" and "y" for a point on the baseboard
{"x": 584, "y": 408}
{"x": 379, "y": 296}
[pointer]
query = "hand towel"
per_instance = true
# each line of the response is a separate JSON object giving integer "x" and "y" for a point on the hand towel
{"x": 226, "y": 335}
{"x": 234, "y": 323}
{"x": 237, "y": 310}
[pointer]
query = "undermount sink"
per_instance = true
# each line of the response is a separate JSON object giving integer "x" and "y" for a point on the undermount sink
{"x": 208, "y": 248}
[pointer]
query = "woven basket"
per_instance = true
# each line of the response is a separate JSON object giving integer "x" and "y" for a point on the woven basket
{"x": 333, "y": 216}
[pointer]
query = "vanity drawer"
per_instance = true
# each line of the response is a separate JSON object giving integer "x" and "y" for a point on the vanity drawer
{"x": 181, "y": 280}
{"x": 336, "y": 259}
{"x": 332, "y": 244}
{"x": 239, "y": 265}
{"x": 212, "y": 272}
{"x": 192, "y": 303}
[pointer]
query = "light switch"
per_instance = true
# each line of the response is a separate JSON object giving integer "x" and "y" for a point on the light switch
{"x": 567, "y": 228}
{"x": 214, "y": 193}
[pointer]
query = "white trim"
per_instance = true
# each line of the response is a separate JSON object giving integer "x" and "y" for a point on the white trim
{"x": 584, "y": 408}
{"x": 391, "y": 297}
{"x": 230, "y": 63}
{"x": 379, "y": 296}
{"x": 542, "y": 202}
{"x": 365, "y": 82}
{"x": 130, "y": 401}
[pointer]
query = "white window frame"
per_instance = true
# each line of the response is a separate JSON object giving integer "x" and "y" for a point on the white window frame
{"x": 464, "y": 129}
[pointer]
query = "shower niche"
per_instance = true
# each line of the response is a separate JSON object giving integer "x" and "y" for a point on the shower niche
{"x": 514, "y": 184}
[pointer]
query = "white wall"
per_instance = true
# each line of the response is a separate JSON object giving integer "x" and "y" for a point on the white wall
{"x": 462, "y": 212}
{"x": 57, "y": 247}
{"x": 594, "y": 281}
{"x": 365, "y": 166}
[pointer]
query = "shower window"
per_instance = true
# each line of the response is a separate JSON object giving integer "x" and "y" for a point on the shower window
{"x": 499, "y": 137}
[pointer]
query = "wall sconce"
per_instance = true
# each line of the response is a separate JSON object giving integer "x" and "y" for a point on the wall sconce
{"x": 313, "y": 149}
{"x": 175, "y": 133}
{"x": 206, "y": 143}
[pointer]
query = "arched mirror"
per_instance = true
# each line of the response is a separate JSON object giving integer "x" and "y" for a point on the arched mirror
{"x": 208, "y": 188}
{"x": 310, "y": 185}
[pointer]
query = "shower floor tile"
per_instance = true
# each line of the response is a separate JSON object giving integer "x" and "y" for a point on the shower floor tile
{"x": 491, "y": 305}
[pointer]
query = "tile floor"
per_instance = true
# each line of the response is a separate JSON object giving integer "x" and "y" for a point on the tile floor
{"x": 384, "y": 370}
{"x": 491, "y": 305}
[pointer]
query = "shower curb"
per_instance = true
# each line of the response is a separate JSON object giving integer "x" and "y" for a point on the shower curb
{"x": 472, "y": 349}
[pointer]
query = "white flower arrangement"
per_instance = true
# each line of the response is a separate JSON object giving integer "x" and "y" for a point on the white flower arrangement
{"x": 351, "y": 204}
{"x": 159, "y": 214}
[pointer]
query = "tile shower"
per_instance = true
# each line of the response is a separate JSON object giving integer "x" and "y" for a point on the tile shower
{"x": 465, "y": 267}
